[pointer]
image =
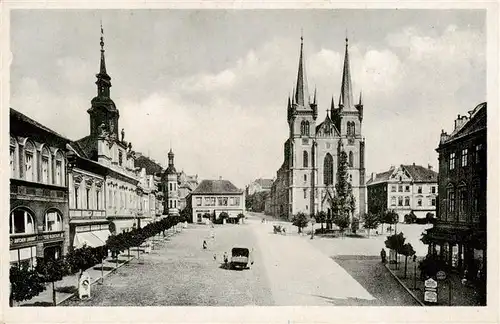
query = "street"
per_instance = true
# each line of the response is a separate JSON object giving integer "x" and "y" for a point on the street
{"x": 289, "y": 270}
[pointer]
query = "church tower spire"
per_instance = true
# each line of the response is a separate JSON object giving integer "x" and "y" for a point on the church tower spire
{"x": 301, "y": 92}
{"x": 346, "y": 98}
{"x": 103, "y": 112}
{"x": 103, "y": 79}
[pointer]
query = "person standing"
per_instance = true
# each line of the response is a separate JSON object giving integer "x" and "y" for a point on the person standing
{"x": 204, "y": 245}
{"x": 383, "y": 255}
{"x": 226, "y": 260}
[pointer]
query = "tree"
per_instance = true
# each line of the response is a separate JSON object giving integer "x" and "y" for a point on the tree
{"x": 431, "y": 265}
{"x": 81, "y": 259}
{"x": 300, "y": 220}
{"x": 408, "y": 251}
{"x": 355, "y": 225}
{"x": 25, "y": 284}
{"x": 51, "y": 270}
{"x": 343, "y": 203}
{"x": 320, "y": 218}
{"x": 391, "y": 218}
{"x": 371, "y": 222}
{"x": 185, "y": 215}
{"x": 395, "y": 242}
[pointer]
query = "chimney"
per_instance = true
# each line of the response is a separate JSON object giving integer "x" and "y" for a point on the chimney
{"x": 444, "y": 136}
{"x": 429, "y": 166}
{"x": 413, "y": 163}
{"x": 220, "y": 178}
{"x": 374, "y": 175}
{"x": 460, "y": 121}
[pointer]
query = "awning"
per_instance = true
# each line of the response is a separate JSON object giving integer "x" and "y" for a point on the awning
{"x": 102, "y": 235}
{"x": 87, "y": 238}
{"x": 451, "y": 235}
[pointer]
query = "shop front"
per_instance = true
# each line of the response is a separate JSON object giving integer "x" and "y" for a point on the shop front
{"x": 23, "y": 250}
{"x": 92, "y": 235}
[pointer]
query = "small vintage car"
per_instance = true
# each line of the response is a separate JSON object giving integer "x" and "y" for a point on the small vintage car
{"x": 240, "y": 258}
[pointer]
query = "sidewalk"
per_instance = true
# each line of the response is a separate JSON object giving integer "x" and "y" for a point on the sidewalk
{"x": 68, "y": 286}
{"x": 461, "y": 295}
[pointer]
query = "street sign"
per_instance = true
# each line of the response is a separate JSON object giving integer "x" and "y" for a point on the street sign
{"x": 430, "y": 296}
{"x": 441, "y": 275}
{"x": 430, "y": 283}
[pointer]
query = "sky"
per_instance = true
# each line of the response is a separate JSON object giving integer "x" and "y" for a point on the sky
{"x": 213, "y": 84}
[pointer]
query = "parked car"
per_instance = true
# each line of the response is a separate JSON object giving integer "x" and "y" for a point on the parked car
{"x": 240, "y": 258}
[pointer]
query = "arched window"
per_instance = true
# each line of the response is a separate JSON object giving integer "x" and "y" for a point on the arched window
{"x": 305, "y": 160}
{"x": 353, "y": 128}
{"x": 44, "y": 165}
{"x": 59, "y": 173}
{"x": 302, "y": 127}
{"x": 53, "y": 222}
{"x": 21, "y": 222}
{"x": 351, "y": 159}
{"x": 328, "y": 170}
{"x": 29, "y": 161}
{"x": 14, "y": 156}
{"x": 307, "y": 128}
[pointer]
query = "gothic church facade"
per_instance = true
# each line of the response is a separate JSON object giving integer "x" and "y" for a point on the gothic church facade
{"x": 305, "y": 182}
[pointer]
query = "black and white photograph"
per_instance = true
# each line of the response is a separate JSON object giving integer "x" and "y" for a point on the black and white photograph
{"x": 245, "y": 158}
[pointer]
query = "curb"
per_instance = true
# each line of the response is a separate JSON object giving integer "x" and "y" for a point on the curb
{"x": 404, "y": 286}
{"x": 95, "y": 280}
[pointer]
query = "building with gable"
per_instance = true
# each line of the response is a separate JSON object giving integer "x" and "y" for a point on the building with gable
{"x": 305, "y": 182}
{"x": 214, "y": 197}
{"x": 405, "y": 189}
{"x": 187, "y": 184}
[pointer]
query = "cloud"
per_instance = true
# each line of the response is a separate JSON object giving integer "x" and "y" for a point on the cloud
{"x": 232, "y": 122}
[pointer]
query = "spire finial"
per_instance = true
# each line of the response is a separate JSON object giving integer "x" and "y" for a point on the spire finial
{"x": 301, "y": 93}
{"x": 361, "y": 98}
{"x": 102, "y": 38}
{"x": 301, "y": 36}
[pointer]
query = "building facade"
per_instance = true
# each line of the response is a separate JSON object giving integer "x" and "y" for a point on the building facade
{"x": 187, "y": 183}
{"x": 150, "y": 180}
{"x": 259, "y": 185}
{"x": 88, "y": 224}
{"x": 459, "y": 235}
{"x": 404, "y": 190}
{"x": 215, "y": 197}
{"x": 38, "y": 218}
{"x": 305, "y": 182}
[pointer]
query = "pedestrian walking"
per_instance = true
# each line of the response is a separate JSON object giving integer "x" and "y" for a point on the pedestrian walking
{"x": 215, "y": 257}
{"x": 226, "y": 260}
{"x": 204, "y": 245}
{"x": 383, "y": 255}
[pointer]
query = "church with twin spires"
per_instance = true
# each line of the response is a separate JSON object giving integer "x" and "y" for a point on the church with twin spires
{"x": 305, "y": 182}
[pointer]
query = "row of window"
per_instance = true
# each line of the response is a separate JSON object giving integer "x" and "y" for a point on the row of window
{"x": 28, "y": 163}
{"x": 221, "y": 201}
{"x": 462, "y": 192}
{"x": 431, "y": 201}
{"x": 304, "y": 128}
{"x": 351, "y": 128}
{"x": 22, "y": 221}
{"x": 466, "y": 157}
{"x": 305, "y": 159}
{"x": 172, "y": 203}
{"x": 399, "y": 188}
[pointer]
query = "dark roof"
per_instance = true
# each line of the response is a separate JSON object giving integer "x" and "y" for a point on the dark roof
{"x": 216, "y": 186}
{"x": 18, "y": 116}
{"x": 380, "y": 177}
{"x": 474, "y": 122}
{"x": 417, "y": 172}
{"x": 151, "y": 166}
{"x": 87, "y": 145}
{"x": 171, "y": 170}
{"x": 420, "y": 173}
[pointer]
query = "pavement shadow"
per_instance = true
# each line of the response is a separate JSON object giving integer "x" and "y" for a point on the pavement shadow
{"x": 67, "y": 289}
{"x": 349, "y": 301}
{"x": 228, "y": 267}
{"x": 38, "y": 304}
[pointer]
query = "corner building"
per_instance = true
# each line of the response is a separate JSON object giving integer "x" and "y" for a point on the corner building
{"x": 305, "y": 182}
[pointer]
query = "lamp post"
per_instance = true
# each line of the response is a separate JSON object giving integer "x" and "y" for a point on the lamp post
{"x": 313, "y": 221}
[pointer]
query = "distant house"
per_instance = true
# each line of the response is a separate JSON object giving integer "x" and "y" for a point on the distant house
{"x": 214, "y": 197}
{"x": 405, "y": 189}
{"x": 259, "y": 185}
